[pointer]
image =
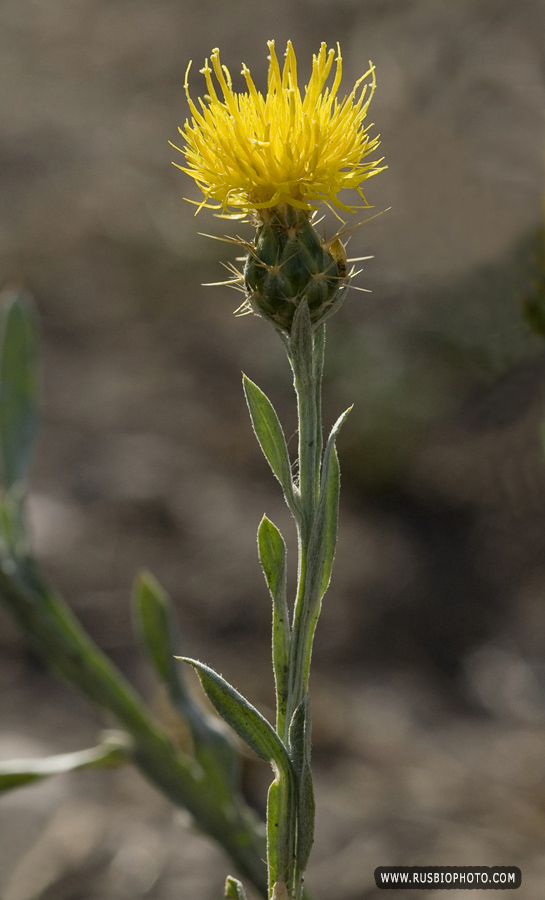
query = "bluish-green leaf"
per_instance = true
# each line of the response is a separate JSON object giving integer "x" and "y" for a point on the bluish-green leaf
{"x": 18, "y": 386}
{"x": 272, "y": 553}
{"x": 19, "y": 772}
{"x": 244, "y": 718}
{"x": 268, "y": 431}
{"x": 234, "y": 890}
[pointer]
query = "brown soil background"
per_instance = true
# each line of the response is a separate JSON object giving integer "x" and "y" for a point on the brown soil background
{"x": 429, "y": 670}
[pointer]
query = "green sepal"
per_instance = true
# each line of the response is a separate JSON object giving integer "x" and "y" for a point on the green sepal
{"x": 300, "y": 741}
{"x": 243, "y": 718}
{"x": 20, "y": 772}
{"x": 272, "y": 554}
{"x": 327, "y": 513}
{"x": 18, "y": 386}
{"x": 234, "y": 889}
{"x": 270, "y": 436}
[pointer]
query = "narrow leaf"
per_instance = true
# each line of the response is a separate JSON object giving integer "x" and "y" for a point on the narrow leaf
{"x": 301, "y": 341}
{"x": 269, "y": 434}
{"x": 335, "y": 432}
{"x": 300, "y": 740}
{"x": 272, "y": 553}
{"x": 213, "y": 747}
{"x": 319, "y": 352}
{"x": 18, "y": 386}
{"x": 327, "y": 519}
{"x": 273, "y": 830}
{"x": 244, "y": 718}
{"x": 19, "y": 772}
{"x": 156, "y": 624}
{"x": 281, "y": 824}
{"x": 234, "y": 889}
{"x": 327, "y": 514}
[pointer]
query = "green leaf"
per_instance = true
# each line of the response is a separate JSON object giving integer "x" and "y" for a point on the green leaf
{"x": 300, "y": 741}
{"x": 281, "y": 825}
{"x": 234, "y": 889}
{"x": 19, "y": 772}
{"x": 319, "y": 352}
{"x": 18, "y": 386}
{"x": 274, "y": 828}
{"x": 301, "y": 342}
{"x": 213, "y": 747}
{"x": 272, "y": 554}
{"x": 327, "y": 514}
{"x": 155, "y": 621}
{"x": 244, "y": 718}
{"x": 14, "y": 536}
{"x": 270, "y": 436}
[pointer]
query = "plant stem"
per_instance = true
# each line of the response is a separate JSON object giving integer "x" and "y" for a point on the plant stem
{"x": 307, "y": 378}
{"x": 306, "y": 356}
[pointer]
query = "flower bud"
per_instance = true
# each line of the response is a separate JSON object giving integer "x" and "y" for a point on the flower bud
{"x": 289, "y": 263}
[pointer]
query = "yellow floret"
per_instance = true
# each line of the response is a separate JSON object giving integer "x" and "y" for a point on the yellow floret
{"x": 250, "y": 152}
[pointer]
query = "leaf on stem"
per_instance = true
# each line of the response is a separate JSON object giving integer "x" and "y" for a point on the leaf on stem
{"x": 319, "y": 352}
{"x": 273, "y": 828}
{"x": 324, "y": 538}
{"x": 234, "y": 889}
{"x": 301, "y": 341}
{"x": 244, "y": 718}
{"x": 272, "y": 554}
{"x": 213, "y": 747}
{"x": 270, "y": 436}
{"x": 300, "y": 741}
{"x": 155, "y": 622}
{"x": 19, "y": 772}
{"x": 18, "y": 386}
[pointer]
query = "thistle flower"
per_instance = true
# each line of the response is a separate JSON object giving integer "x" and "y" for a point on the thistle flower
{"x": 276, "y": 157}
{"x": 250, "y": 152}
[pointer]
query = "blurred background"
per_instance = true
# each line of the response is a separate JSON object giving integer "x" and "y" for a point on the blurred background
{"x": 429, "y": 668}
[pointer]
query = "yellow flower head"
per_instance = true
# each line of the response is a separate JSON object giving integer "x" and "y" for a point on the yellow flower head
{"x": 250, "y": 152}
